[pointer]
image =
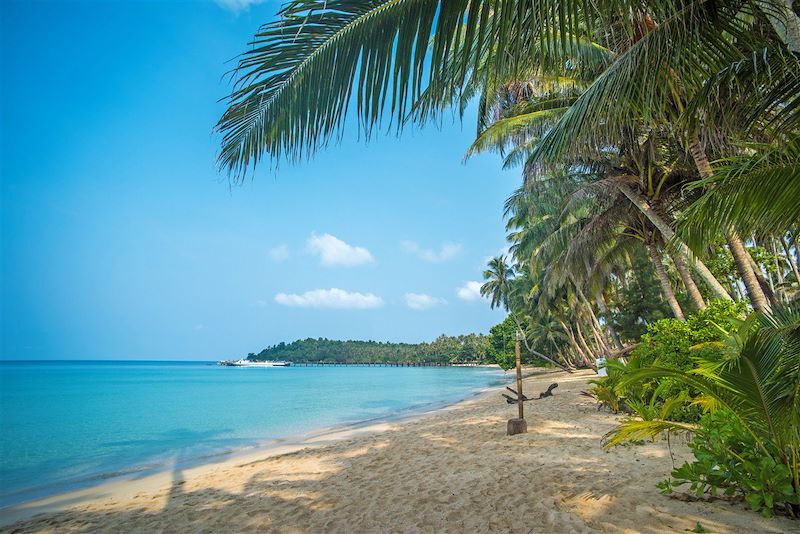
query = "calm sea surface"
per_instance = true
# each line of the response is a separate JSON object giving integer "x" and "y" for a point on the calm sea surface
{"x": 70, "y": 424}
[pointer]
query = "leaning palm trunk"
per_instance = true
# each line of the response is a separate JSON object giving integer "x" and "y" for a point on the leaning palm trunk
{"x": 573, "y": 342}
{"x": 669, "y": 294}
{"x": 766, "y": 285}
{"x": 781, "y": 293}
{"x": 742, "y": 259}
{"x": 688, "y": 282}
{"x": 601, "y": 304}
{"x": 594, "y": 324}
{"x": 735, "y": 243}
{"x": 587, "y": 349}
{"x": 789, "y": 259}
{"x": 530, "y": 349}
{"x": 598, "y": 335}
{"x": 669, "y": 235}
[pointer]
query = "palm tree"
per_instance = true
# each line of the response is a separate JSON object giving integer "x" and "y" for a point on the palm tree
{"x": 633, "y": 87}
{"x": 498, "y": 287}
{"x": 498, "y": 276}
{"x": 294, "y": 85}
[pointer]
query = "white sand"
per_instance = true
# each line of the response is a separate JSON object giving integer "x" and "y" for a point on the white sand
{"x": 453, "y": 470}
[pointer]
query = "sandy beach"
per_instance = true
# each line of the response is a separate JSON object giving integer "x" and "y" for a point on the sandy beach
{"x": 452, "y": 470}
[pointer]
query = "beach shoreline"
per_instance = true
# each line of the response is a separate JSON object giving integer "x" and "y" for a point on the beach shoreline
{"x": 147, "y": 478}
{"x": 130, "y": 442}
{"x": 452, "y": 469}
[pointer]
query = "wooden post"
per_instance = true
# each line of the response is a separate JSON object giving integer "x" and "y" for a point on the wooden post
{"x": 518, "y": 426}
{"x": 519, "y": 380}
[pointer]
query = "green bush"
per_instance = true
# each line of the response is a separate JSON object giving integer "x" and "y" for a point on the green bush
{"x": 672, "y": 344}
{"x": 676, "y": 344}
{"x": 728, "y": 459}
{"x": 749, "y": 443}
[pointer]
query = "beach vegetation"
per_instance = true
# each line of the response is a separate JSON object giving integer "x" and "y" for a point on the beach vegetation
{"x": 748, "y": 442}
{"x": 469, "y": 348}
{"x": 658, "y": 144}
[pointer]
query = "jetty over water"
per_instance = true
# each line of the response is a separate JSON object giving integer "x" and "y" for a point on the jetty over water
{"x": 384, "y": 364}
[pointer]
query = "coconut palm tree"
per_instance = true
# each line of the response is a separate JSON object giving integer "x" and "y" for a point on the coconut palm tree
{"x": 296, "y": 82}
{"x": 499, "y": 287}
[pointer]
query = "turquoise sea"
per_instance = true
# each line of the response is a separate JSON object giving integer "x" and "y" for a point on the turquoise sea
{"x": 68, "y": 424}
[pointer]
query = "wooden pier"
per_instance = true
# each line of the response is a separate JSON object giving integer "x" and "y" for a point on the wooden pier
{"x": 385, "y": 364}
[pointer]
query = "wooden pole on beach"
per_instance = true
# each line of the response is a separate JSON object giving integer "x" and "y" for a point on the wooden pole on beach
{"x": 518, "y": 426}
{"x": 520, "y": 403}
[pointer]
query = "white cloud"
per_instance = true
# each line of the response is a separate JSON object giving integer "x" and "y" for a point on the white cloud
{"x": 279, "y": 253}
{"x": 469, "y": 291}
{"x": 330, "y": 298}
{"x": 448, "y": 251}
{"x": 237, "y": 6}
{"x": 333, "y": 251}
{"x": 421, "y": 301}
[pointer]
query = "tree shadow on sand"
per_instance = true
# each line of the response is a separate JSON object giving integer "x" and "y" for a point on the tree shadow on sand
{"x": 452, "y": 474}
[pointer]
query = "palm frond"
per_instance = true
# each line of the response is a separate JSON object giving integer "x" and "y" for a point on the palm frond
{"x": 755, "y": 193}
{"x": 295, "y": 85}
{"x": 639, "y": 429}
{"x": 684, "y": 43}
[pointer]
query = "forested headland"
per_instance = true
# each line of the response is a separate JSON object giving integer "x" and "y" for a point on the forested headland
{"x": 497, "y": 347}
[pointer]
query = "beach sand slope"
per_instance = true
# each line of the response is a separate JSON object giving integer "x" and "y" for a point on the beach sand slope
{"x": 453, "y": 470}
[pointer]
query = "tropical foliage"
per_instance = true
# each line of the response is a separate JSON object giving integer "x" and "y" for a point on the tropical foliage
{"x": 472, "y": 348}
{"x": 749, "y": 443}
{"x": 658, "y": 147}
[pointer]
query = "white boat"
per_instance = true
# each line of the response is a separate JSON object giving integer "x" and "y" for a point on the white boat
{"x": 251, "y": 363}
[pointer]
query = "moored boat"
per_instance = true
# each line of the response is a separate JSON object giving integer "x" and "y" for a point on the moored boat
{"x": 251, "y": 363}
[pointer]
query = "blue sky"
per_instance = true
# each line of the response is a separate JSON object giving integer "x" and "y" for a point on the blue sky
{"x": 120, "y": 239}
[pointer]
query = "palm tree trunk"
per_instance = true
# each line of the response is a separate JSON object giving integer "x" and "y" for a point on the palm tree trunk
{"x": 594, "y": 324}
{"x": 780, "y": 292}
{"x": 766, "y": 286}
{"x": 784, "y": 21}
{"x": 583, "y": 340}
{"x": 789, "y": 259}
{"x": 669, "y": 235}
{"x": 742, "y": 259}
{"x": 688, "y": 282}
{"x": 569, "y": 357}
{"x": 601, "y": 304}
{"x": 735, "y": 243}
{"x": 534, "y": 352}
{"x": 572, "y": 340}
{"x": 598, "y": 335}
{"x": 669, "y": 294}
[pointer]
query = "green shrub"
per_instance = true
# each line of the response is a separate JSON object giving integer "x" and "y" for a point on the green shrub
{"x": 728, "y": 459}
{"x": 673, "y": 343}
{"x": 749, "y": 443}
{"x": 676, "y": 344}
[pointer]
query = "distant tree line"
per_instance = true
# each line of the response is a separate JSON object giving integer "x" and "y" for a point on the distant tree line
{"x": 463, "y": 348}
{"x": 497, "y": 347}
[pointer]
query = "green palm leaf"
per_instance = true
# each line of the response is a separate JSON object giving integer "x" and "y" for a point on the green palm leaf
{"x": 756, "y": 193}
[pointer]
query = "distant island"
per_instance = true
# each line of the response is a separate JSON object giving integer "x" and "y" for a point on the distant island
{"x": 497, "y": 347}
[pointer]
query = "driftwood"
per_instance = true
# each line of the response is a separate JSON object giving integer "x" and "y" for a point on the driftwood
{"x": 524, "y": 398}
{"x": 542, "y": 395}
{"x": 549, "y": 392}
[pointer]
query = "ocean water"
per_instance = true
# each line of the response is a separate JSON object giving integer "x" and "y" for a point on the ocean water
{"x": 65, "y": 425}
